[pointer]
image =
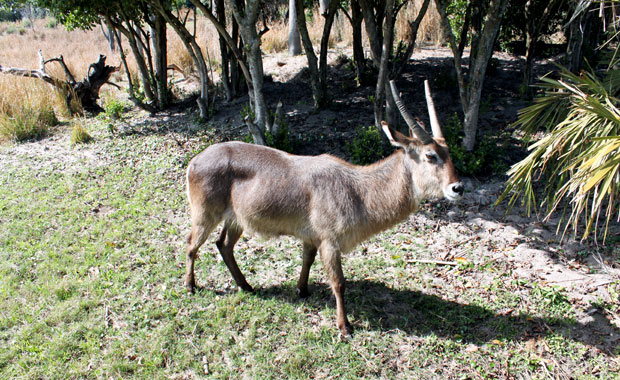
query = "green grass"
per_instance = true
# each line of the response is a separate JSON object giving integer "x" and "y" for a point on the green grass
{"x": 91, "y": 287}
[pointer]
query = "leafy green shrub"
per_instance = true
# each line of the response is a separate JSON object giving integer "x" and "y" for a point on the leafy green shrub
{"x": 483, "y": 160}
{"x": 9, "y": 15}
{"x": 26, "y": 23}
{"x": 79, "y": 135}
{"x": 138, "y": 92}
{"x": 51, "y": 23}
{"x": 367, "y": 147}
{"x": 248, "y": 139}
{"x": 114, "y": 108}
{"x": 282, "y": 139}
{"x": 26, "y": 123}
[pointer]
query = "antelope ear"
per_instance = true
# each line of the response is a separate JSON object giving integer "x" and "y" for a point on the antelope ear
{"x": 396, "y": 138}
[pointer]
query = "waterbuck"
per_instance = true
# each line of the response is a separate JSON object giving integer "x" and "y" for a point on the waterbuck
{"x": 327, "y": 203}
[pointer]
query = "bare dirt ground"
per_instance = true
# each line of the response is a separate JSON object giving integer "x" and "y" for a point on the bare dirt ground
{"x": 473, "y": 231}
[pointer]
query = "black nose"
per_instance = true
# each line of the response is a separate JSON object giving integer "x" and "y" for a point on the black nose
{"x": 458, "y": 188}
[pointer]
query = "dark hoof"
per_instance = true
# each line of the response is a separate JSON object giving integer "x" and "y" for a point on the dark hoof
{"x": 346, "y": 332}
{"x": 191, "y": 287}
{"x": 246, "y": 288}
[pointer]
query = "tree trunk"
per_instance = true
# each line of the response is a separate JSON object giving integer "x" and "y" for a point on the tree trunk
{"x": 145, "y": 77}
{"x": 576, "y": 34}
{"x": 535, "y": 20}
{"x": 404, "y": 55}
{"x": 470, "y": 92}
{"x": 358, "y": 47}
{"x": 160, "y": 56}
{"x": 477, "y": 74}
{"x": 373, "y": 21}
{"x": 476, "y": 30}
{"x": 317, "y": 93}
{"x": 530, "y": 47}
{"x": 323, "y": 6}
{"x": 195, "y": 53}
{"x": 246, "y": 15}
{"x": 108, "y": 34}
{"x": 388, "y": 36}
{"x": 231, "y": 41}
{"x": 240, "y": 65}
{"x": 294, "y": 42}
{"x": 220, "y": 13}
{"x": 327, "y": 27}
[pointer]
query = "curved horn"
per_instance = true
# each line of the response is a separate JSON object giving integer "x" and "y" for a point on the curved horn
{"x": 432, "y": 114}
{"x": 417, "y": 129}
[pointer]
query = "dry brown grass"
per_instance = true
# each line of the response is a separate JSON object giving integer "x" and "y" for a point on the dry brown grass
{"x": 22, "y": 96}
{"x": 276, "y": 40}
{"x": 429, "y": 31}
{"x": 207, "y": 39}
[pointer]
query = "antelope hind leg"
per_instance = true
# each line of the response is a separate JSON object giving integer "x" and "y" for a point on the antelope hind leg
{"x": 225, "y": 244}
{"x": 195, "y": 239}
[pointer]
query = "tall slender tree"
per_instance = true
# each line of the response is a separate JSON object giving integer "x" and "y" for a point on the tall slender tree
{"x": 470, "y": 88}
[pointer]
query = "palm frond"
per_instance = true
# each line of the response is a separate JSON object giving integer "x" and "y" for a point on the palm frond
{"x": 578, "y": 158}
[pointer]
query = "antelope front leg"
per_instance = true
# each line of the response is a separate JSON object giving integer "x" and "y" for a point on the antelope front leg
{"x": 330, "y": 257}
{"x": 309, "y": 253}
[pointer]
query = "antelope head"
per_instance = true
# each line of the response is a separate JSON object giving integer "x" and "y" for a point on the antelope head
{"x": 427, "y": 156}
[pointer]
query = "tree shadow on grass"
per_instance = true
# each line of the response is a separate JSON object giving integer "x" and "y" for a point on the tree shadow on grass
{"x": 384, "y": 309}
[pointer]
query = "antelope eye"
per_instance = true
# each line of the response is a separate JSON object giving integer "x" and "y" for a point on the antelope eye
{"x": 431, "y": 157}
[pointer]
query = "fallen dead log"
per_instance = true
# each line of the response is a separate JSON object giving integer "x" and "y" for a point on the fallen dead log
{"x": 85, "y": 91}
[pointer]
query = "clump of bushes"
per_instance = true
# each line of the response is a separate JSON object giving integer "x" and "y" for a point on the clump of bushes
{"x": 51, "y": 23}
{"x": 483, "y": 160}
{"x": 114, "y": 108}
{"x": 367, "y": 147}
{"x": 281, "y": 140}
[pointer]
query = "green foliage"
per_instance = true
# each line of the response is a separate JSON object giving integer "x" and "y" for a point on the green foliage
{"x": 456, "y": 11}
{"x": 26, "y": 123}
{"x": 367, "y": 146}
{"x": 578, "y": 159}
{"x": 247, "y": 111}
{"x": 79, "y": 135}
{"x": 248, "y": 139}
{"x": 483, "y": 160}
{"x": 114, "y": 108}
{"x": 51, "y": 23}
{"x": 9, "y": 13}
{"x": 138, "y": 92}
{"x": 281, "y": 140}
